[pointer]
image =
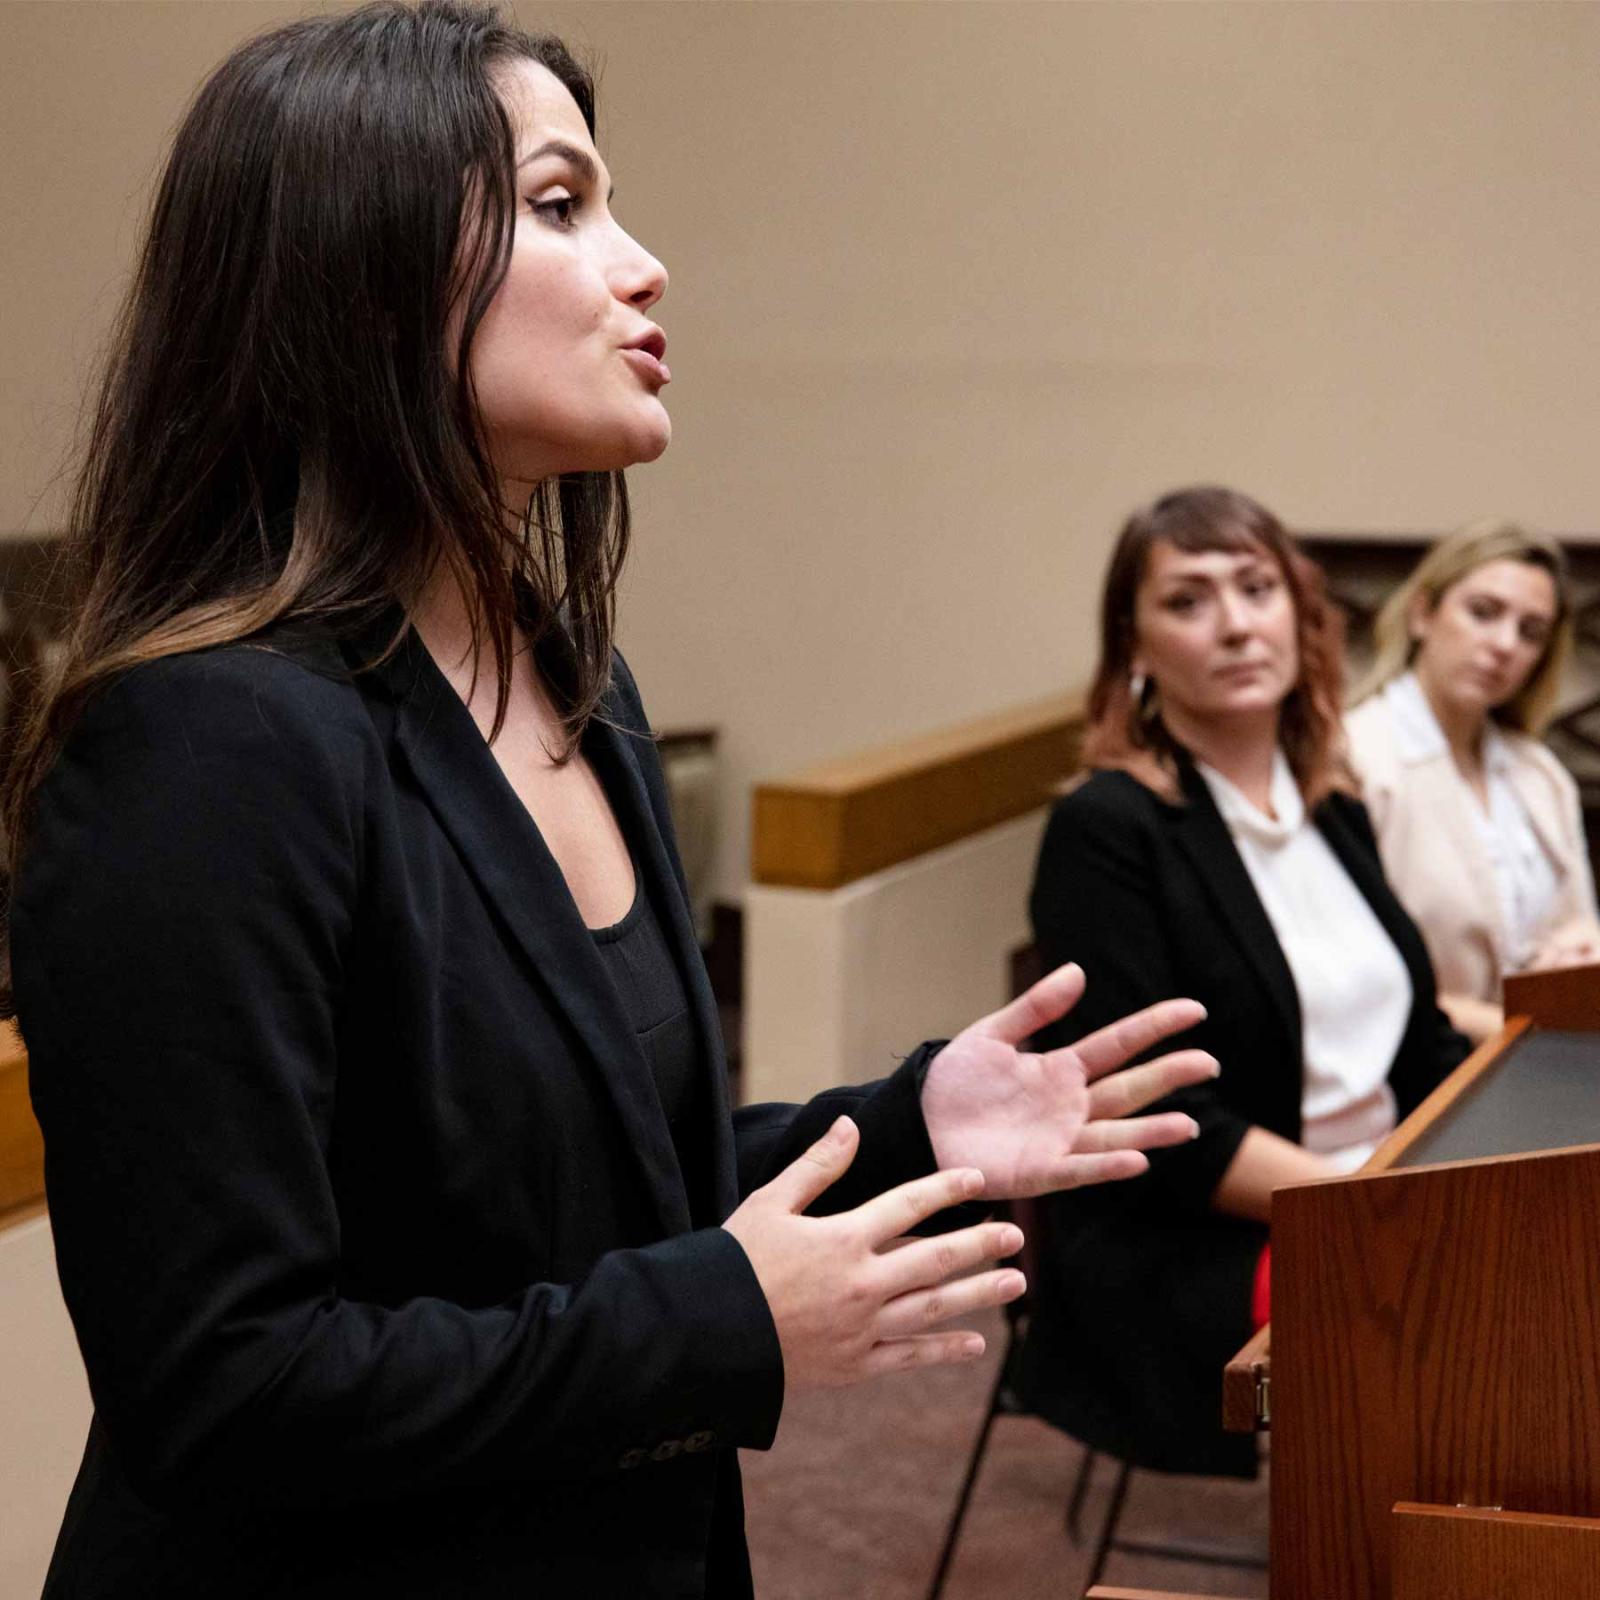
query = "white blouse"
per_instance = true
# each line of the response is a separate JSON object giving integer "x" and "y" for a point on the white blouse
{"x": 1526, "y": 885}
{"x": 1354, "y": 989}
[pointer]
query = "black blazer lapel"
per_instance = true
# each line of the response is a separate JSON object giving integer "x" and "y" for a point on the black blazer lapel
{"x": 1205, "y": 839}
{"x": 502, "y": 849}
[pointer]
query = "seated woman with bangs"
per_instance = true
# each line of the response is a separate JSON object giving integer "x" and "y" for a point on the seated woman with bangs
{"x": 1216, "y": 851}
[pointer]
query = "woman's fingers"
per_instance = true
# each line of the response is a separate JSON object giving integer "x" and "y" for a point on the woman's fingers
{"x": 896, "y": 1211}
{"x": 925, "y": 1262}
{"x": 1120, "y": 1094}
{"x": 810, "y": 1174}
{"x": 922, "y": 1350}
{"x": 1135, "y": 1133}
{"x": 1110, "y": 1166}
{"x": 1044, "y": 1002}
{"x": 925, "y": 1308}
{"x": 1120, "y": 1041}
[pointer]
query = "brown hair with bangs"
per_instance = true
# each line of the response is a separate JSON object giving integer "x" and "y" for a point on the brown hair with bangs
{"x": 1125, "y": 729}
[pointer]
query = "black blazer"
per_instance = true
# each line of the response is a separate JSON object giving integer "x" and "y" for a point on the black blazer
{"x": 1143, "y": 1291}
{"x": 385, "y": 1273}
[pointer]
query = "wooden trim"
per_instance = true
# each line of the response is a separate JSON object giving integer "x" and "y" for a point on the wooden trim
{"x": 1421, "y": 1120}
{"x": 1242, "y": 1381}
{"x": 1100, "y": 1592}
{"x": 17, "y": 1215}
{"x": 1441, "y": 1552}
{"x": 21, "y": 1144}
{"x": 1564, "y": 997}
{"x": 830, "y": 824}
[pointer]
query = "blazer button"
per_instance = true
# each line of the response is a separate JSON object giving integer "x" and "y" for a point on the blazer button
{"x": 666, "y": 1450}
{"x": 631, "y": 1458}
{"x": 697, "y": 1442}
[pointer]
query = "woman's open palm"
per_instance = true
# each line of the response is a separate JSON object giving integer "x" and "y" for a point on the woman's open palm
{"x": 1036, "y": 1122}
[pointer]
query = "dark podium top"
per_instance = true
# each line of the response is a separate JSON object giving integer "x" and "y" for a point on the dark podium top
{"x": 1542, "y": 1094}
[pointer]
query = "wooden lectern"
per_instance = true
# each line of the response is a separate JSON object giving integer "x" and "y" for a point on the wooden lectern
{"x": 1432, "y": 1373}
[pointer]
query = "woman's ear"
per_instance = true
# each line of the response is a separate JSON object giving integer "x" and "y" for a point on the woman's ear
{"x": 1418, "y": 610}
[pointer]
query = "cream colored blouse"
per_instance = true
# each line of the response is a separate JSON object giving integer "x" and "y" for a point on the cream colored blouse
{"x": 1487, "y": 888}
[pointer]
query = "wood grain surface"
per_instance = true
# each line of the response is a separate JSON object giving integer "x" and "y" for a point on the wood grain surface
{"x": 838, "y": 821}
{"x": 1471, "y": 1553}
{"x": 1567, "y": 997}
{"x": 21, "y": 1147}
{"x": 1436, "y": 1338}
{"x": 1241, "y": 1383}
{"x": 1100, "y": 1592}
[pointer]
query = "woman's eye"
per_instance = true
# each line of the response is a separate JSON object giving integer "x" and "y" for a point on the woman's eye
{"x": 1180, "y": 603}
{"x": 1260, "y": 588}
{"x": 1534, "y": 632}
{"x": 1484, "y": 610}
{"x": 558, "y": 209}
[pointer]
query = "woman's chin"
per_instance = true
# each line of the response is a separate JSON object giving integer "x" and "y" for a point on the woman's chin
{"x": 653, "y": 448}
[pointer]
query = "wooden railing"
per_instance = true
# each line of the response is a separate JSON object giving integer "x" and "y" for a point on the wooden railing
{"x": 830, "y": 824}
{"x": 21, "y": 1148}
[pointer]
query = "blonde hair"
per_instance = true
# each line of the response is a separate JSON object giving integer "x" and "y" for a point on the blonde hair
{"x": 1445, "y": 564}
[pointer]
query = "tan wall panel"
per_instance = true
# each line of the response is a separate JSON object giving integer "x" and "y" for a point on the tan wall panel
{"x": 956, "y": 285}
{"x": 44, "y": 1407}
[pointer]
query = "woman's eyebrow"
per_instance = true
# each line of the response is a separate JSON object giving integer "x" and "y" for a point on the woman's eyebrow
{"x": 573, "y": 156}
{"x": 570, "y": 153}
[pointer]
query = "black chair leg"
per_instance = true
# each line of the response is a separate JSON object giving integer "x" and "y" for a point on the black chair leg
{"x": 974, "y": 1463}
{"x": 1108, "y": 1530}
{"x": 1080, "y": 1488}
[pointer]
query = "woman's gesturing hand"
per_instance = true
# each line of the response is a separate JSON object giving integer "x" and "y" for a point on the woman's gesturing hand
{"x": 846, "y": 1307}
{"x": 1035, "y": 1123}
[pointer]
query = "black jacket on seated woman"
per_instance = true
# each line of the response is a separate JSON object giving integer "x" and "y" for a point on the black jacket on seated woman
{"x": 1142, "y": 1296}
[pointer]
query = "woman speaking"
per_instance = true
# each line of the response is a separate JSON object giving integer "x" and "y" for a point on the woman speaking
{"x": 409, "y": 1239}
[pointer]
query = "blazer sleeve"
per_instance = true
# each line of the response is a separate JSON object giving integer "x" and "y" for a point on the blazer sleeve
{"x": 1098, "y": 900}
{"x": 189, "y": 892}
{"x": 894, "y": 1138}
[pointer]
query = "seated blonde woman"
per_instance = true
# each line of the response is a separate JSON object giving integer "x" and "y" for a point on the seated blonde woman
{"x": 1478, "y": 823}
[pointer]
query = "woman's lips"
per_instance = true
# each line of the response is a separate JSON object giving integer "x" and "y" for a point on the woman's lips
{"x": 649, "y": 366}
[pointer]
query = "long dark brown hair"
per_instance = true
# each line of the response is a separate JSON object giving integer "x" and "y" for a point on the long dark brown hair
{"x": 1125, "y": 729}
{"x": 287, "y": 429}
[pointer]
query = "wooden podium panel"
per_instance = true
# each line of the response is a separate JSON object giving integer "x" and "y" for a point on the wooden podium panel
{"x": 1436, "y": 1334}
{"x": 1436, "y": 1337}
{"x": 1455, "y": 1553}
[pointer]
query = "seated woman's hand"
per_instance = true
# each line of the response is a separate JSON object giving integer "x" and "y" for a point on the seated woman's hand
{"x": 1575, "y": 944}
{"x": 846, "y": 1306}
{"x": 1033, "y": 1122}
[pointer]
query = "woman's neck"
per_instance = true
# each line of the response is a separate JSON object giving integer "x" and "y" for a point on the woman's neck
{"x": 1462, "y": 729}
{"x": 1242, "y": 749}
{"x": 443, "y": 621}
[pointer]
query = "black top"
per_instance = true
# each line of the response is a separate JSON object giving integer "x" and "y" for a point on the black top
{"x": 1143, "y": 1291}
{"x": 651, "y": 994}
{"x": 385, "y": 1271}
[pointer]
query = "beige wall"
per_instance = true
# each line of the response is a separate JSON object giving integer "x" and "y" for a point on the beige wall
{"x": 954, "y": 286}
{"x": 839, "y": 984}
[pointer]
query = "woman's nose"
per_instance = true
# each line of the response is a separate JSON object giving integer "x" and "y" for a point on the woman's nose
{"x": 1233, "y": 616}
{"x": 1503, "y": 636}
{"x": 637, "y": 277}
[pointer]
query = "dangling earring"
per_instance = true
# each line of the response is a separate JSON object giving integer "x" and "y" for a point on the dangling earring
{"x": 1136, "y": 683}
